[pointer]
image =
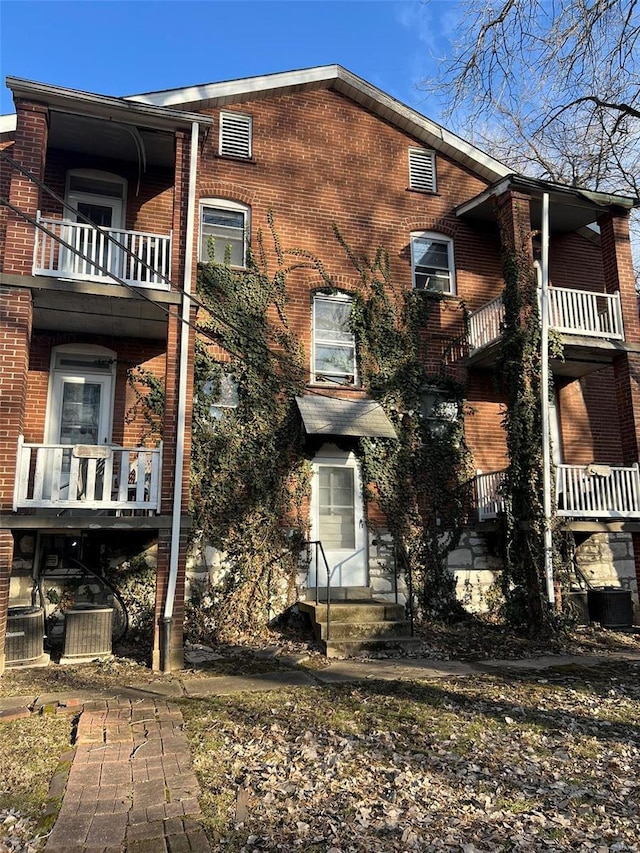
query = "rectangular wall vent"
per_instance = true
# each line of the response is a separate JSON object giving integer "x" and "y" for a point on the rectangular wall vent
{"x": 235, "y": 135}
{"x": 422, "y": 170}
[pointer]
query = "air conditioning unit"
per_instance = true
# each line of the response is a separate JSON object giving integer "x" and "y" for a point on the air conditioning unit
{"x": 25, "y": 636}
{"x": 87, "y": 633}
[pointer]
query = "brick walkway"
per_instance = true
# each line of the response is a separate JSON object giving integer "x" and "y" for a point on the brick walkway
{"x": 131, "y": 787}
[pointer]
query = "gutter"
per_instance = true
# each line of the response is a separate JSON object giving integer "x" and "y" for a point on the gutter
{"x": 167, "y": 617}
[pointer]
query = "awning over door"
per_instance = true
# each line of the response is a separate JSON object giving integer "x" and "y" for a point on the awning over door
{"x": 331, "y": 416}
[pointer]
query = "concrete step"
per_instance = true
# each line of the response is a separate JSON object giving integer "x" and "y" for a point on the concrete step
{"x": 363, "y": 630}
{"x": 340, "y": 593}
{"x": 354, "y": 611}
{"x": 346, "y": 648}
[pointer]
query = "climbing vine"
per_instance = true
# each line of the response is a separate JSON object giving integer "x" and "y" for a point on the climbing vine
{"x": 520, "y": 377}
{"x": 251, "y": 475}
{"x": 422, "y": 481}
{"x": 250, "y": 479}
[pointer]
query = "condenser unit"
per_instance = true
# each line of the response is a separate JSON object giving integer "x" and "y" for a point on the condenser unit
{"x": 25, "y": 636}
{"x": 87, "y": 633}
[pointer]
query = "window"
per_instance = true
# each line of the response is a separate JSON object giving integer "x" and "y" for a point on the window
{"x": 440, "y": 409}
{"x": 422, "y": 170}
{"x": 224, "y": 226}
{"x": 226, "y": 395}
{"x": 235, "y": 135}
{"x": 334, "y": 346}
{"x": 432, "y": 262}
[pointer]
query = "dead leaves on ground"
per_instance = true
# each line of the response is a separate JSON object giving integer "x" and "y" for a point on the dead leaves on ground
{"x": 482, "y": 764}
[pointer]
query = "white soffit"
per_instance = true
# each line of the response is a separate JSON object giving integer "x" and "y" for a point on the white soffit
{"x": 339, "y": 79}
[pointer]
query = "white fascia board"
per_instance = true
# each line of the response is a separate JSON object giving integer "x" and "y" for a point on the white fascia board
{"x": 348, "y": 84}
{"x": 237, "y": 88}
{"x": 103, "y": 106}
{"x": 8, "y": 123}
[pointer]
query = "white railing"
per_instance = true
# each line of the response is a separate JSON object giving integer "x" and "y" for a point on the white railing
{"x": 489, "y": 500}
{"x": 574, "y": 312}
{"x": 583, "y": 491}
{"x": 582, "y": 312}
{"x": 60, "y": 476}
{"x": 53, "y": 259}
{"x": 598, "y": 491}
{"x": 485, "y": 324}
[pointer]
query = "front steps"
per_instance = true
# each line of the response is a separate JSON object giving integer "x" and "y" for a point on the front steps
{"x": 359, "y": 623}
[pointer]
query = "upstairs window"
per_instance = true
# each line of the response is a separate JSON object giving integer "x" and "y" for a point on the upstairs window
{"x": 334, "y": 346}
{"x": 422, "y": 170}
{"x": 432, "y": 262}
{"x": 224, "y": 226}
{"x": 235, "y": 135}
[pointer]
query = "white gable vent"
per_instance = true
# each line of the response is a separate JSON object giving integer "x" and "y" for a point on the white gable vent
{"x": 235, "y": 135}
{"x": 422, "y": 170}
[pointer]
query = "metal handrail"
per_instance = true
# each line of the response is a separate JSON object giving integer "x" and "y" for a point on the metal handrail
{"x": 318, "y": 544}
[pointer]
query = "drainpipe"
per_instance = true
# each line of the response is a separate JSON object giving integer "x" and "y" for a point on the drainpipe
{"x": 543, "y": 279}
{"x": 167, "y": 617}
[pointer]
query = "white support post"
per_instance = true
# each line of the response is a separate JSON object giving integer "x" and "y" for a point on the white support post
{"x": 544, "y": 400}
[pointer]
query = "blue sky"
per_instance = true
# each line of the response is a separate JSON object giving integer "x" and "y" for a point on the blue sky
{"x": 120, "y": 47}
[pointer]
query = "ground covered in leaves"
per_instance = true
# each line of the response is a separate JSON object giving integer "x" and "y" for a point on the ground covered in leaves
{"x": 485, "y": 763}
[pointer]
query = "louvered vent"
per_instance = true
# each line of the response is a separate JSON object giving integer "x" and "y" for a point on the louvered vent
{"x": 235, "y": 135}
{"x": 422, "y": 170}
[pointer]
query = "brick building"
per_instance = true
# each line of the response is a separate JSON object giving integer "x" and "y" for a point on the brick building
{"x": 164, "y": 172}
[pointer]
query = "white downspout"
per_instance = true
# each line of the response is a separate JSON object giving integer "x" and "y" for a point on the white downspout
{"x": 182, "y": 401}
{"x": 543, "y": 277}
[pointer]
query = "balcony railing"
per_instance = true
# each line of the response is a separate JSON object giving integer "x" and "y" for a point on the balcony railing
{"x": 88, "y": 477}
{"x": 573, "y": 312}
{"x": 598, "y": 491}
{"x": 582, "y": 491}
{"x": 53, "y": 259}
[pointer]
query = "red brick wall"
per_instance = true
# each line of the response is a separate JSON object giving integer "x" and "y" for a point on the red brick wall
{"x": 588, "y": 431}
{"x": 29, "y": 150}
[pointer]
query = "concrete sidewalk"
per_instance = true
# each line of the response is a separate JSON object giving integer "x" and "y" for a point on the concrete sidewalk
{"x": 131, "y": 787}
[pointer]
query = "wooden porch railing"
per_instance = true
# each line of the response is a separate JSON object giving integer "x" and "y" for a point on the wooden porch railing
{"x": 573, "y": 312}
{"x": 53, "y": 259}
{"x": 98, "y": 477}
{"x": 582, "y": 491}
{"x": 598, "y": 491}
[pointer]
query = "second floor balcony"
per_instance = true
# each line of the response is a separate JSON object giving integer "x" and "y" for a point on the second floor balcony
{"x": 102, "y": 255}
{"x": 571, "y": 312}
{"x": 592, "y": 491}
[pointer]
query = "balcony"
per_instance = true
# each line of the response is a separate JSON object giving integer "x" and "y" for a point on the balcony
{"x": 142, "y": 259}
{"x": 583, "y": 492}
{"x": 571, "y": 312}
{"x": 87, "y": 477}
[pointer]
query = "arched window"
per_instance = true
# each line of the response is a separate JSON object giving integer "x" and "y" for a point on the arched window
{"x": 432, "y": 262}
{"x": 224, "y": 232}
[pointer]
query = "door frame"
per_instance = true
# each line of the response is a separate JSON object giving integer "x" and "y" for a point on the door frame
{"x": 88, "y": 354}
{"x": 330, "y": 456}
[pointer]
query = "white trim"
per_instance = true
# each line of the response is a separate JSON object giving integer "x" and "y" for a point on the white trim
{"x": 344, "y": 298}
{"x": 438, "y": 238}
{"x": 57, "y": 373}
{"x": 226, "y": 204}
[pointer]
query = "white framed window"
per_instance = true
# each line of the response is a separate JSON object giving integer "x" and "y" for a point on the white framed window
{"x": 236, "y": 133}
{"x": 422, "y": 170}
{"x": 224, "y": 229}
{"x": 432, "y": 262}
{"x": 333, "y": 344}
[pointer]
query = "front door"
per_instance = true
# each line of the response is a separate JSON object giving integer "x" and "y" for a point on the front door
{"x": 338, "y": 519}
{"x": 79, "y": 410}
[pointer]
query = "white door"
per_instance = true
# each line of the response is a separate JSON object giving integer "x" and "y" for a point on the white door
{"x": 337, "y": 520}
{"x": 105, "y": 213}
{"x": 79, "y": 413}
